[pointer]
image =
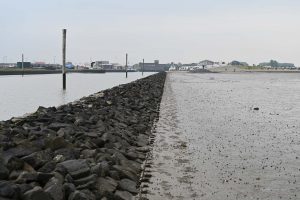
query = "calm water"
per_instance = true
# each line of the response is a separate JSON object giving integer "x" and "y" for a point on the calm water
{"x": 21, "y": 95}
{"x": 212, "y": 145}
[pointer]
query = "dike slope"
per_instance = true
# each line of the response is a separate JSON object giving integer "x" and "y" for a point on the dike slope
{"x": 89, "y": 149}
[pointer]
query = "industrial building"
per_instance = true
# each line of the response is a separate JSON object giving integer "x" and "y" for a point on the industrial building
{"x": 154, "y": 67}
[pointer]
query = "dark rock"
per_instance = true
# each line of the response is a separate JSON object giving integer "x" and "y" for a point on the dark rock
{"x": 91, "y": 178}
{"x": 132, "y": 155}
{"x": 68, "y": 179}
{"x": 68, "y": 188}
{"x": 65, "y": 132}
{"x": 74, "y": 165}
{"x": 123, "y": 195}
{"x": 104, "y": 168}
{"x": 14, "y": 163}
{"x": 15, "y": 174}
{"x": 118, "y": 157}
{"x": 38, "y": 159}
{"x": 55, "y": 189}
{"x": 48, "y": 167}
{"x": 128, "y": 185}
{"x": 59, "y": 177}
{"x": 56, "y": 126}
{"x": 99, "y": 142}
{"x": 78, "y": 195}
{"x": 43, "y": 178}
{"x": 56, "y": 143}
{"x": 106, "y": 186}
{"x": 108, "y": 137}
{"x": 8, "y": 189}
{"x": 19, "y": 151}
{"x": 68, "y": 153}
{"x": 80, "y": 173}
{"x": 92, "y": 135}
{"x": 90, "y": 195}
{"x": 26, "y": 177}
{"x": 36, "y": 193}
{"x": 87, "y": 153}
{"x": 256, "y": 108}
{"x": 3, "y": 171}
{"x": 114, "y": 174}
{"x": 24, "y": 188}
{"x": 125, "y": 172}
{"x": 88, "y": 185}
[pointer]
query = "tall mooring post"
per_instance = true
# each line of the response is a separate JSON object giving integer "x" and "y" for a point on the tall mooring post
{"x": 143, "y": 67}
{"x": 22, "y": 64}
{"x": 126, "y": 66}
{"x": 64, "y": 58}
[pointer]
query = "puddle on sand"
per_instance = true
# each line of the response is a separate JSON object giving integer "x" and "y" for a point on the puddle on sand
{"x": 211, "y": 144}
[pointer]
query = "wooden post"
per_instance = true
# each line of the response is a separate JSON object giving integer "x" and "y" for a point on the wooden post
{"x": 64, "y": 58}
{"x": 22, "y": 64}
{"x": 143, "y": 68}
{"x": 126, "y": 65}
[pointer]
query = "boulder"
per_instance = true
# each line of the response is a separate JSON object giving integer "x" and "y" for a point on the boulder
{"x": 128, "y": 185}
{"x": 3, "y": 171}
{"x": 38, "y": 159}
{"x": 43, "y": 178}
{"x": 56, "y": 143}
{"x": 68, "y": 188}
{"x": 125, "y": 173}
{"x": 80, "y": 173}
{"x": 48, "y": 167}
{"x": 106, "y": 186}
{"x": 79, "y": 195}
{"x": 56, "y": 126}
{"x": 37, "y": 193}
{"x": 68, "y": 153}
{"x": 74, "y": 165}
{"x": 26, "y": 177}
{"x": 82, "y": 181}
{"x": 14, "y": 163}
{"x": 123, "y": 195}
{"x": 55, "y": 189}
{"x": 8, "y": 189}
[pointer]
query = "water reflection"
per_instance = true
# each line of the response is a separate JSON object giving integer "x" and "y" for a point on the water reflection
{"x": 20, "y": 95}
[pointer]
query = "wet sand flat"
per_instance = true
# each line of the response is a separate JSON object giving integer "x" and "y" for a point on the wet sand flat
{"x": 212, "y": 144}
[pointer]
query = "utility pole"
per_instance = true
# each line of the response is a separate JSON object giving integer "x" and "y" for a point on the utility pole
{"x": 126, "y": 65}
{"x": 22, "y": 64}
{"x": 143, "y": 67}
{"x": 64, "y": 58}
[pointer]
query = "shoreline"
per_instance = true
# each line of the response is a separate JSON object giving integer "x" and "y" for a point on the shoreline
{"x": 91, "y": 148}
{"x": 33, "y": 72}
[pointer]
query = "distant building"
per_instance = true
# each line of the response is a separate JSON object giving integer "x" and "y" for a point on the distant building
{"x": 206, "y": 63}
{"x": 6, "y": 65}
{"x": 238, "y": 63}
{"x": 275, "y": 64}
{"x": 43, "y": 65}
{"x": 154, "y": 67}
{"x": 102, "y": 65}
{"x": 25, "y": 64}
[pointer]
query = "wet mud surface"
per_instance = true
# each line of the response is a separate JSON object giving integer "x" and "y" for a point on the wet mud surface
{"x": 227, "y": 136}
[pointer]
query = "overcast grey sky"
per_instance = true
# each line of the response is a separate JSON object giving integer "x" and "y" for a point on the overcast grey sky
{"x": 168, "y": 30}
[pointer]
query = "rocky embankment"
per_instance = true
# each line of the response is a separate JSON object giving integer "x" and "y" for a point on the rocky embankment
{"x": 89, "y": 149}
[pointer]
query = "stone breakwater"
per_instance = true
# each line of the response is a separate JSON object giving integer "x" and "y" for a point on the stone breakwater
{"x": 86, "y": 150}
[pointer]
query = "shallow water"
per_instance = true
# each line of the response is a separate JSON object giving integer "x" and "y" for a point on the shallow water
{"x": 211, "y": 143}
{"x": 20, "y": 95}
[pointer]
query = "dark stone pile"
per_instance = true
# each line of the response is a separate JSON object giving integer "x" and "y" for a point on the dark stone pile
{"x": 89, "y": 149}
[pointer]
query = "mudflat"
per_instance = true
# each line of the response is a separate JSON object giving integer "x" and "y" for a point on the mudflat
{"x": 227, "y": 136}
